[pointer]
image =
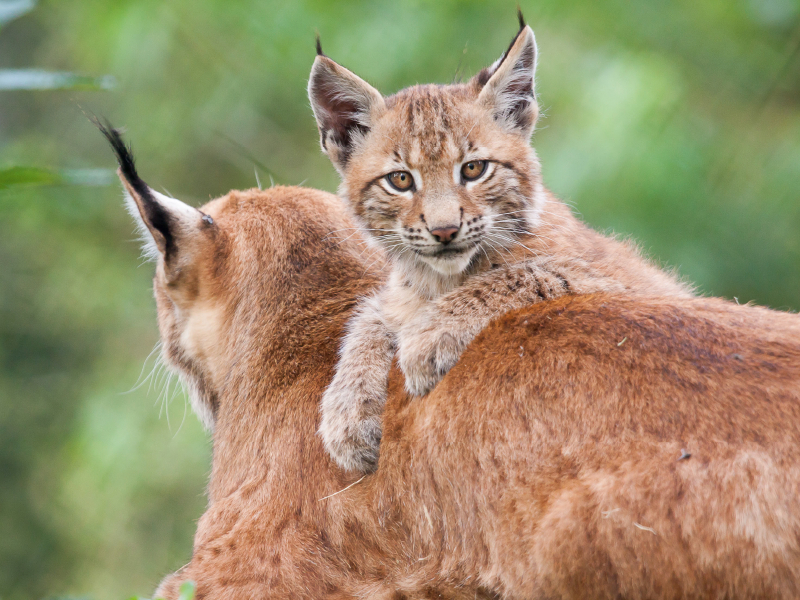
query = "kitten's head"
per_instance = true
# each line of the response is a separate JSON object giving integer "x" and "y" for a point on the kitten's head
{"x": 438, "y": 174}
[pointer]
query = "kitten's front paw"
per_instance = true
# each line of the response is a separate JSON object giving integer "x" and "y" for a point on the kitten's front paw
{"x": 425, "y": 357}
{"x": 352, "y": 439}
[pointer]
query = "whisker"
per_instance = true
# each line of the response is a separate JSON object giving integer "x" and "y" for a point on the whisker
{"x": 494, "y": 248}
{"x": 536, "y": 234}
{"x": 486, "y": 254}
{"x": 534, "y": 252}
{"x": 165, "y": 399}
{"x": 473, "y": 127}
{"x": 516, "y": 220}
{"x": 513, "y": 212}
{"x": 170, "y": 397}
{"x": 158, "y": 370}
{"x": 373, "y": 263}
{"x": 183, "y": 419}
{"x": 139, "y": 381}
{"x": 510, "y": 239}
{"x": 350, "y": 229}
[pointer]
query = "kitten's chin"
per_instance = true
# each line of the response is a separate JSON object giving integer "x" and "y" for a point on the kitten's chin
{"x": 451, "y": 264}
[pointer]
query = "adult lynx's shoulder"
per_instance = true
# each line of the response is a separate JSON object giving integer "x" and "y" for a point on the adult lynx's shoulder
{"x": 443, "y": 177}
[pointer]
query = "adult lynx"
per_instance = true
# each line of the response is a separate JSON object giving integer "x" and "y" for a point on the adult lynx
{"x": 500, "y": 484}
{"x": 445, "y": 179}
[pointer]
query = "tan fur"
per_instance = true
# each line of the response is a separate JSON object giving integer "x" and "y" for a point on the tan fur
{"x": 516, "y": 243}
{"x": 544, "y": 465}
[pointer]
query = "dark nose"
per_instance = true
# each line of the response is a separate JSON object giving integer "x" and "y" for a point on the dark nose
{"x": 444, "y": 235}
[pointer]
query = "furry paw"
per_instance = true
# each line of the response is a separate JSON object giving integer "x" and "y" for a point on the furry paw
{"x": 426, "y": 356}
{"x": 351, "y": 437}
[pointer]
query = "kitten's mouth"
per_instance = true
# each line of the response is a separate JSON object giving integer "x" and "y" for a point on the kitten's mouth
{"x": 449, "y": 251}
{"x": 449, "y": 261}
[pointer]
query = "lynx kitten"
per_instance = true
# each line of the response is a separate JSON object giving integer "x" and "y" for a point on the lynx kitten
{"x": 443, "y": 177}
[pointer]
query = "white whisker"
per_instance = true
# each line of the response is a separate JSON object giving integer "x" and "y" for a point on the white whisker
{"x": 494, "y": 248}
{"x": 139, "y": 381}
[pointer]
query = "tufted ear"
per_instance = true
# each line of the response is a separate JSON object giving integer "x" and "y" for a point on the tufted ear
{"x": 165, "y": 224}
{"x": 345, "y": 107}
{"x": 507, "y": 87}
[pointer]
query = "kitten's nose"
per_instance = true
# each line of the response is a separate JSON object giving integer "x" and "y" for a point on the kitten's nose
{"x": 444, "y": 235}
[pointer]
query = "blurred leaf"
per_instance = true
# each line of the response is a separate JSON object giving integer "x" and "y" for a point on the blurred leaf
{"x": 27, "y": 176}
{"x": 37, "y": 79}
{"x": 12, "y": 9}
{"x": 14, "y": 176}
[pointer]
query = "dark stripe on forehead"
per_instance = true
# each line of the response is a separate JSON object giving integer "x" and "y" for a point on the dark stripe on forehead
{"x": 428, "y": 113}
{"x": 467, "y": 147}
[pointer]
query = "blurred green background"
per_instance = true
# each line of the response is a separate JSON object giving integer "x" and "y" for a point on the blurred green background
{"x": 677, "y": 123}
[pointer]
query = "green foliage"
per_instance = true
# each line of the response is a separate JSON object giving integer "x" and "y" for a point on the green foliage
{"x": 27, "y": 176}
{"x": 14, "y": 176}
{"x": 675, "y": 123}
{"x": 186, "y": 592}
{"x": 38, "y": 79}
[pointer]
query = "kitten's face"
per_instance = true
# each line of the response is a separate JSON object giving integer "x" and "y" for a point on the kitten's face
{"x": 437, "y": 180}
{"x": 439, "y": 175}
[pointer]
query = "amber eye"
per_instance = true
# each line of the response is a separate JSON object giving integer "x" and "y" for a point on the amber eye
{"x": 473, "y": 169}
{"x": 402, "y": 181}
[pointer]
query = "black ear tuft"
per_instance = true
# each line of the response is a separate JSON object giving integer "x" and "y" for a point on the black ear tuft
{"x": 155, "y": 217}
{"x": 124, "y": 157}
{"x": 521, "y": 18}
{"x": 319, "y": 47}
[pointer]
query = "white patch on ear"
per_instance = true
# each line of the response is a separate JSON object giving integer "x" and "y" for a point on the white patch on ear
{"x": 149, "y": 248}
{"x": 182, "y": 215}
{"x": 180, "y": 210}
{"x": 509, "y": 92}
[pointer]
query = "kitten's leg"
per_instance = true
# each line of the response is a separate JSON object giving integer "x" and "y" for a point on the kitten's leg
{"x": 353, "y": 403}
{"x": 429, "y": 346}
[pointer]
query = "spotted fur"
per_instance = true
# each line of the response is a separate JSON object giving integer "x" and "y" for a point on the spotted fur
{"x": 515, "y": 243}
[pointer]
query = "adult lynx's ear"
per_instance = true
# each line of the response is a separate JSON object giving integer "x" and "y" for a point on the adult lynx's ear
{"x": 163, "y": 222}
{"x": 507, "y": 87}
{"x": 344, "y": 105}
